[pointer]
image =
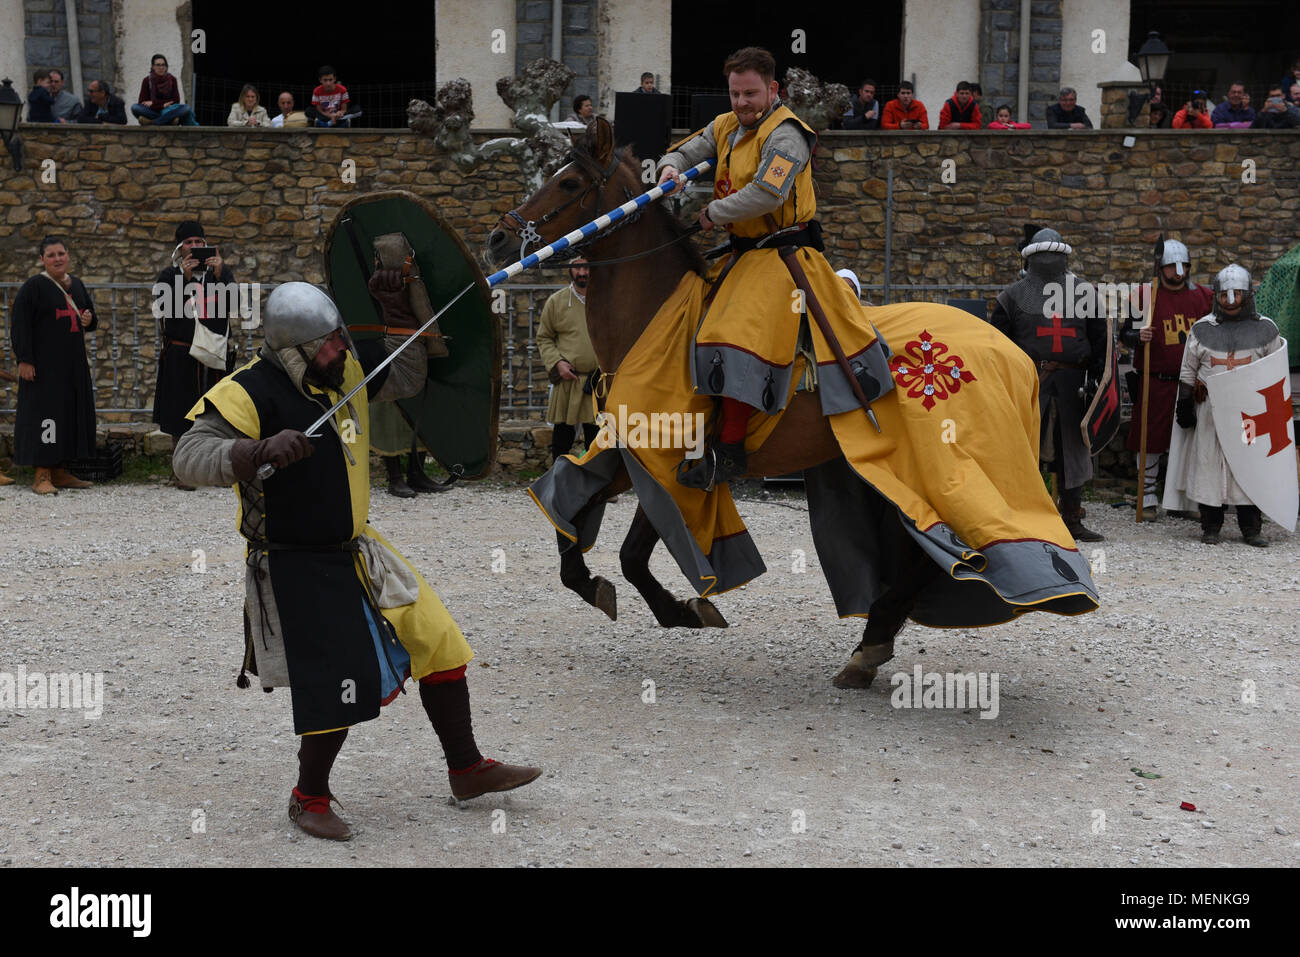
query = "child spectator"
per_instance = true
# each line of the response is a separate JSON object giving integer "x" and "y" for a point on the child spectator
{"x": 330, "y": 99}
{"x": 1005, "y": 122}
{"x": 40, "y": 102}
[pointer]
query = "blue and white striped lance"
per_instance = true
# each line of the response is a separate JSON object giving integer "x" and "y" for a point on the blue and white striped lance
{"x": 595, "y": 226}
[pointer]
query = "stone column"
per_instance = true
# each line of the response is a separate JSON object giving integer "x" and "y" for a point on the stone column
{"x": 1113, "y": 112}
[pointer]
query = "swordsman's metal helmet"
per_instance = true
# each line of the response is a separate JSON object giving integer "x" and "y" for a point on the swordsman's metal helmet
{"x": 1175, "y": 254}
{"x": 1233, "y": 279}
{"x": 298, "y": 313}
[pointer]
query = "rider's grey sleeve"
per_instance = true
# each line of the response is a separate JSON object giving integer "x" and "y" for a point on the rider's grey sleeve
{"x": 785, "y": 144}
{"x": 693, "y": 151}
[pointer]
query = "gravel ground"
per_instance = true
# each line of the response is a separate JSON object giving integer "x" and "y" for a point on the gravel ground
{"x": 747, "y": 754}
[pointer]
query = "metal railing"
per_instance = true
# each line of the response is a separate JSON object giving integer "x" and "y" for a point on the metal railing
{"x": 123, "y": 350}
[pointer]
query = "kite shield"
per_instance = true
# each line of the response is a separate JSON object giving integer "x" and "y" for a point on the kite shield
{"x": 1102, "y": 420}
{"x": 455, "y": 414}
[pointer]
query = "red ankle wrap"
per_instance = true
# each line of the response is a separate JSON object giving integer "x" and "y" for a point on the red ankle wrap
{"x": 482, "y": 764}
{"x": 315, "y": 805}
{"x": 735, "y": 420}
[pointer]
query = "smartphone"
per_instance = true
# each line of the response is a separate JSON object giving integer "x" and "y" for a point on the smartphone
{"x": 203, "y": 253}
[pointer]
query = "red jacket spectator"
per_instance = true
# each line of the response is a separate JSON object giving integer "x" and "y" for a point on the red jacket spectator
{"x": 1201, "y": 121}
{"x": 895, "y": 113}
{"x": 967, "y": 119}
{"x": 155, "y": 91}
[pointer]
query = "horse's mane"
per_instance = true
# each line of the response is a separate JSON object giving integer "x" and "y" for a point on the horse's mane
{"x": 629, "y": 162}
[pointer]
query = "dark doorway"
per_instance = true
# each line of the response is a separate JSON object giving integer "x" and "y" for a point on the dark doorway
{"x": 842, "y": 44}
{"x": 384, "y": 60}
{"x": 1216, "y": 42}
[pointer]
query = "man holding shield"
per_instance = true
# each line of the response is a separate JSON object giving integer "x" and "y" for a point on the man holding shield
{"x": 1233, "y": 336}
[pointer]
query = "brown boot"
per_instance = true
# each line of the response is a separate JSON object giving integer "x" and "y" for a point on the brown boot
{"x": 315, "y": 816}
{"x": 1072, "y": 514}
{"x": 43, "y": 485}
{"x": 65, "y": 479}
{"x": 488, "y": 775}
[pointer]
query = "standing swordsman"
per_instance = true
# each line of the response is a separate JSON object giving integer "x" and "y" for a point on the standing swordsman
{"x": 331, "y": 609}
{"x": 1179, "y": 302}
{"x": 1232, "y": 336}
{"x": 1041, "y": 313}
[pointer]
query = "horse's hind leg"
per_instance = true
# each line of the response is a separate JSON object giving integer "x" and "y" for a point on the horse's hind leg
{"x": 574, "y": 574}
{"x": 668, "y": 611}
{"x": 888, "y": 614}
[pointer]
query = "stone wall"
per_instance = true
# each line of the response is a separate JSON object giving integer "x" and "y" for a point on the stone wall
{"x": 1000, "y": 56}
{"x": 267, "y": 197}
{"x": 533, "y": 41}
{"x": 46, "y": 44}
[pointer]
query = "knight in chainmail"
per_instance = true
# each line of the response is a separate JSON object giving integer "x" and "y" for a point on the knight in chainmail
{"x": 1039, "y": 314}
{"x": 331, "y": 610}
{"x": 1233, "y": 334}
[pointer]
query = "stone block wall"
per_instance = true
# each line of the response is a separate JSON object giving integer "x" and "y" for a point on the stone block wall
{"x": 267, "y": 198}
{"x": 1000, "y": 56}
{"x": 46, "y": 44}
{"x": 533, "y": 40}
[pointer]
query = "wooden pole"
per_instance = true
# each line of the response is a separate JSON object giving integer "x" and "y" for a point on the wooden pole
{"x": 1146, "y": 394}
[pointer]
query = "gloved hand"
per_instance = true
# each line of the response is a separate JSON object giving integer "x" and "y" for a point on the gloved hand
{"x": 388, "y": 287}
{"x": 281, "y": 450}
{"x": 1185, "y": 412}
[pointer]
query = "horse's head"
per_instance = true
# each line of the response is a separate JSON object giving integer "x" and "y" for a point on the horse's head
{"x": 594, "y": 180}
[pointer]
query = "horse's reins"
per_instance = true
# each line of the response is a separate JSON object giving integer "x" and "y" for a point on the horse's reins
{"x": 527, "y": 232}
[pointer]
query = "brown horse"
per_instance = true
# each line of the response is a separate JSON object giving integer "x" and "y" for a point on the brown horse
{"x": 621, "y": 301}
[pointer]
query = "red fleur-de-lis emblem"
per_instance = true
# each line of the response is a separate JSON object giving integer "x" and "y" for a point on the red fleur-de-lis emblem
{"x": 923, "y": 368}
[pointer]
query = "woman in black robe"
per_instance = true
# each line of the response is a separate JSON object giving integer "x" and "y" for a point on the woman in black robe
{"x": 56, "y": 400}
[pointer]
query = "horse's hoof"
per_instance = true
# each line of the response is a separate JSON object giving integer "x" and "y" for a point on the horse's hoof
{"x": 606, "y": 598}
{"x": 705, "y": 613}
{"x": 872, "y": 656}
{"x": 854, "y": 677}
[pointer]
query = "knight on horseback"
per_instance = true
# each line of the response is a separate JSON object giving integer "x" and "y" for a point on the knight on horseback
{"x": 763, "y": 196}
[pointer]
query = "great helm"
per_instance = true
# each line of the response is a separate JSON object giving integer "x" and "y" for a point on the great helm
{"x": 298, "y": 313}
{"x": 1175, "y": 254}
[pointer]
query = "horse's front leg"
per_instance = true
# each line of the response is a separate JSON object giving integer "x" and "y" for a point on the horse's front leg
{"x": 596, "y": 591}
{"x": 668, "y": 611}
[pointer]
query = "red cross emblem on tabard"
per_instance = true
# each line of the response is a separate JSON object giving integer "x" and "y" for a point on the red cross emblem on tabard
{"x": 924, "y": 368}
{"x": 1231, "y": 362}
{"x": 1057, "y": 332}
{"x": 1273, "y": 420}
{"x": 75, "y": 325}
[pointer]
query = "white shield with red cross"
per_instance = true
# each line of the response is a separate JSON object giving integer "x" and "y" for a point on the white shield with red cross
{"x": 1252, "y": 418}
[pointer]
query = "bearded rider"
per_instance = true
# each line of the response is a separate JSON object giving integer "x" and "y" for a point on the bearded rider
{"x": 331, "y": 609}
{"x": 763, "y": 196}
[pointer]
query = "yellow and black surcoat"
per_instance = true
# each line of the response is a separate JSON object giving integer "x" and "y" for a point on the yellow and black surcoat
{"x": 311, "y": 619}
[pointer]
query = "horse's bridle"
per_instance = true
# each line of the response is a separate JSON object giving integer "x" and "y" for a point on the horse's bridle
{"x": 526, "y": 230}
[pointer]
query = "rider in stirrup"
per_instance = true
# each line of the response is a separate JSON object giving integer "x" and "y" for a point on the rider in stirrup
{"x": 763, "y": 196}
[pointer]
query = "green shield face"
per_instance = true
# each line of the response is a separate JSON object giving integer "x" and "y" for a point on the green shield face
{"x": 455, "y": 415}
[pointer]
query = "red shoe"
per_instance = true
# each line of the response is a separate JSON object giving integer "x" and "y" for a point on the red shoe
{"x": 488, "y": 775}
{"x": 314, "y": 815}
